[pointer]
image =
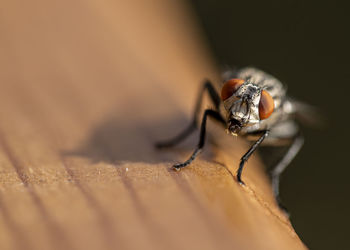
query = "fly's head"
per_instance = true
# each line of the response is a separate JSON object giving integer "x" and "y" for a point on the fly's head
{"x": 246, "y": 104}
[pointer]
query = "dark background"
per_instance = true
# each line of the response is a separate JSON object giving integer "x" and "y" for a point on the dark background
{"x": 306, "y": 45}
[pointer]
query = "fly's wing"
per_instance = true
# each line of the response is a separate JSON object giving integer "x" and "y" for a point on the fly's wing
{"x": 308, "y": 115}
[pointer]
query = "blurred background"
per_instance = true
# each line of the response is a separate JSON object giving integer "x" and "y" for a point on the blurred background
{"x": 305, "y": 44}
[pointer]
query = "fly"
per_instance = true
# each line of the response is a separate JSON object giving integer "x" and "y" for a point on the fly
{"x": 252, "y": 104}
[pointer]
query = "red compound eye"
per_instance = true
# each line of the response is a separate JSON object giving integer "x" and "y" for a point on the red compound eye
{"x": 266, "y": 105}
{"x": 230, "y": 87}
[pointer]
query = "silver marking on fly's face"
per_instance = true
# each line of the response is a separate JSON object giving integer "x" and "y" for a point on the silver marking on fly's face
{"x": 243, "y": 105}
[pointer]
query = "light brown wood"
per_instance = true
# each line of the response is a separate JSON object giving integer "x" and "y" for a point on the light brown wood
{"x": 86, "y": 87}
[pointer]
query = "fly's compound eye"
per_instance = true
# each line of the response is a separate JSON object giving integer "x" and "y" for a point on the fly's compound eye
{"x": 230, "y": 87}
{"x": 266, "y": 105}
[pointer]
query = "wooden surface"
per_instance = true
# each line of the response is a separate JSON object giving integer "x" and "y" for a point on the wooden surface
{"x": 86, "y": 87}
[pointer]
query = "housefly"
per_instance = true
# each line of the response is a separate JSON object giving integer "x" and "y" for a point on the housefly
{"x": 254, "y": 105}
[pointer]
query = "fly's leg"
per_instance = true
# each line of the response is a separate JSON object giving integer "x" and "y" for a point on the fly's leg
{"x": 213, "y": 114}
{"x": 282, "y": 165}
{"x": 246, "y": 156}
{"x": 207, "y": 86}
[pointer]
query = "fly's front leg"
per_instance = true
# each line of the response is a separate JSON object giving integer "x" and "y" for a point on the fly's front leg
{"x": 249, "y": 153}
{"x": 282, "y": 165}
{"x": 207, "y": 86}
{"x": 213, "y": 114}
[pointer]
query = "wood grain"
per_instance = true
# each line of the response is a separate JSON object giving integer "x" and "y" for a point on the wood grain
{"x": 86, "y": 88}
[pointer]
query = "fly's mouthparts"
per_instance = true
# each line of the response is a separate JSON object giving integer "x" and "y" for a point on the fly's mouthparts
{"x": 234, "y": 134}
{"x": 229, "y": 132}
{"x": 234, "y": 126}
